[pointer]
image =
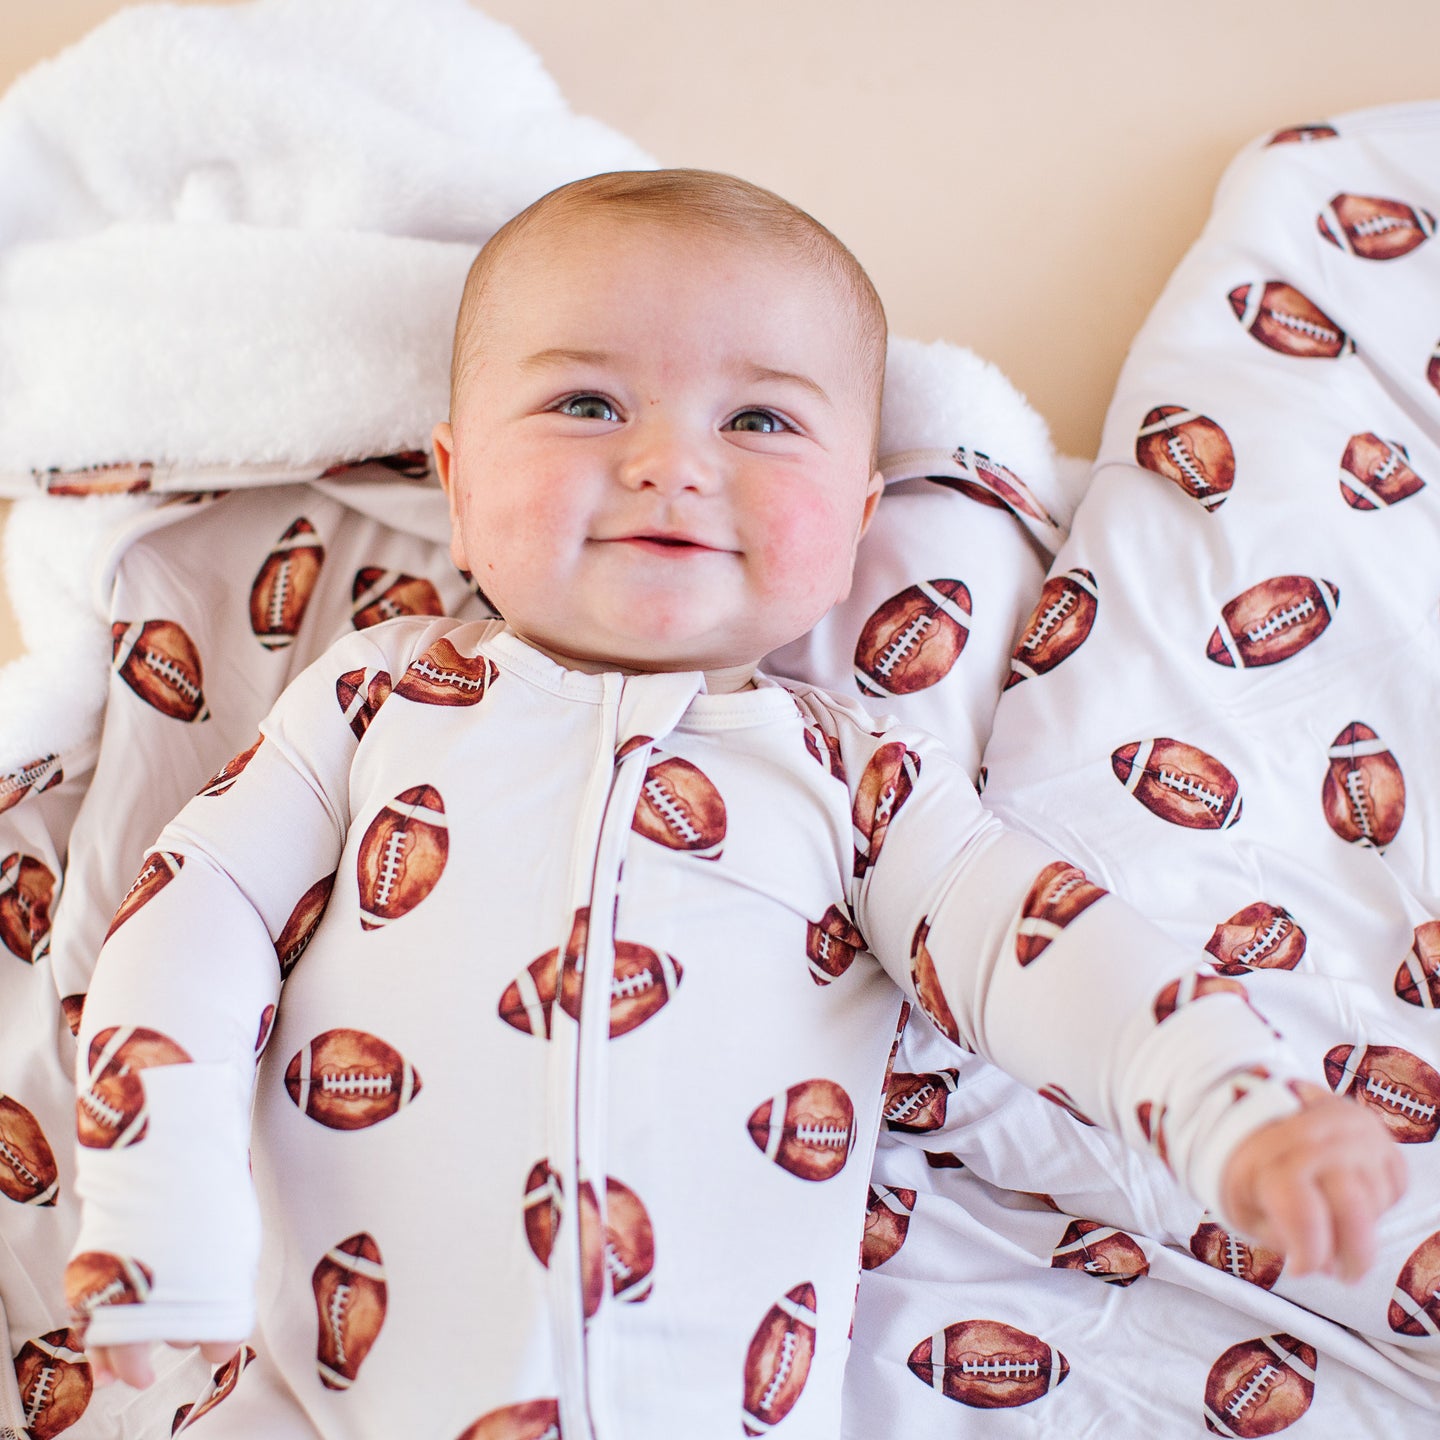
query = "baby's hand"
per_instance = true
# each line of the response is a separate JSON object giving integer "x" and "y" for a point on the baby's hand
{"x": 131, "y": 1363}
{"x": 1314, "y": 1184}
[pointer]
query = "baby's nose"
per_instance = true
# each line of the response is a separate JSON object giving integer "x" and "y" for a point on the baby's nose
{"x": 665, "y": 457}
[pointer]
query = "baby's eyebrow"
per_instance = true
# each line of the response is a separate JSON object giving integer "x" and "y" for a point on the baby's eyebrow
{"x": 756, "y": 374}
{"x": 546, "y": 359}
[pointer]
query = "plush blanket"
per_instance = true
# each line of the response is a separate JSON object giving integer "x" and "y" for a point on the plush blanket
{"x": 231, "y": 248}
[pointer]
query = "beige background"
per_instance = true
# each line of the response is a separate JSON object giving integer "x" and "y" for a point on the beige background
{"x": 1017, "y": 177}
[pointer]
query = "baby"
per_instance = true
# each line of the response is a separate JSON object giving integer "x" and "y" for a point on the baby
{"x": 594, "y": 940}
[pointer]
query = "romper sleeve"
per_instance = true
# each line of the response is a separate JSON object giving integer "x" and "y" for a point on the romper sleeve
{"x": 1017, "y": 954}
{"x": 181, "y": 1003}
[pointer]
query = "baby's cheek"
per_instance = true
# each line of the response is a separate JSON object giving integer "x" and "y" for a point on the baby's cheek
{"x": 808, "y": 556}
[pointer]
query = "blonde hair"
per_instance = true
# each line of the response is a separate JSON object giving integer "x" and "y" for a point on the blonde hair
{"x": 702, "y": 200}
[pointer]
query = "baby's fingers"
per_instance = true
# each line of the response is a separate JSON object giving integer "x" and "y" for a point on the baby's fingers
{"x": 130, "y": 1363}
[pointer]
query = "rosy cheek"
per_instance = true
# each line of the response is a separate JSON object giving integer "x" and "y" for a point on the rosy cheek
{"x": 807, "y": 554}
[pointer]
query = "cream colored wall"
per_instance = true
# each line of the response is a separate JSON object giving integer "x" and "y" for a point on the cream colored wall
{"x": 1019, "y": 178}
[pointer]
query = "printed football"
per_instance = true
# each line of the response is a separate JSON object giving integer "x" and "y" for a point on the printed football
{"x": 378, "y": 594}
{"x": 360, "y": 694}
{"x": 222, "y": 1383}
{"x": 916, "y": 1103}
{"x": 680, "y": 809}
{"x": 617, "y": 1259}
{"x": 1102, "y": 1251}
{"x": 1400, "y": 1087}
{"x": 157, "y": 870}
{"x": 230, "y": 771}
{"x": 33, "y": 777}
{"x": 54, "y": 1380}
{"x": 529, "y": 1420}
{"x": 299, "y": 930}
{"x": 97, "y": 1277}
{"x": 992, "y": 484}
{"x": 1195, "y": 986}
{"x": 885, "y": 786}
{"x": 809, "y": 1130}
{"x": 1152, "y": 1126}
{"x": 1374, "y": 228}
{"x": 1179, "y": 783}
{"x": 822, "y": 741}
{"x": 927, "y": 985}
{"x": 1432, "y": 368}
{"x": 1376, "y": 473}
{"x": 1364, "y": 790}
{"x": 73, "y": 1008}
{"x": 1190, "y": 449}
{"x": 111, "y": 1110}
{"x": 1058, "y": 1095}
{"x": 1280, "y": 317}
{"x": 284, "y": 584}
{"x": 1259, "y": 937}
{"x": 1058, "y": 626}
{"x": 1415, "y": 1303}
{"x": 1302, "y": 134}
{"x": 1260, "y": 1386}
{"x": 988, "y": 1364}
{"x": 1061, "y": 894}
{"x": 1272, "y": 621}
{"x": 887, "y": 1222}
{"x": 159, "y": 662}
{"x": 443, "y": 676}
{"x": 350, "y": 1301}
{"x": 777, "y": 1363}
{"x": 1417, "y": 981}
{"x": 27, "y": 890}
{"x": 401, "y": 856}
{"x": 831, "y": 945}
{"x": 124, "y": 478}
{"x": 349, "y": 1080}
{"x": 1212, "y": 1244}
{"x": 28, "y": 1172}
{"x": 913, "y": 640}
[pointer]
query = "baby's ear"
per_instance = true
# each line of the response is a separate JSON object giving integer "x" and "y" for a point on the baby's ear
{"x": 442, "y": 441}
{"x": 872, "y": 498}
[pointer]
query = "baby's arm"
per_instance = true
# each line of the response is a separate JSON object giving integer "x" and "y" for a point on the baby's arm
{"x": 182, "y": 1000}
{"x": 1021, "y": 957}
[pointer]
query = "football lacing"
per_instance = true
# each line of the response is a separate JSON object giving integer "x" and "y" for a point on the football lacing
{"x": 668, "y": 806}
{"x": 170, "y": 672}
{"x": 822, "y": 1136}
{"x": 391, "y": 861}
{"x": 1395, "y": 1097}
{"x": 1359, "y": 803}
{"x": 24, "y": 777}
{"x": 620, "y": 1273}
{"x": 280, "y": 593}
{"x": 1064, "y": 887}
{"x": 111, "y": 1293}
{"x": 784, "y": 1364}
{"x": 13, "y": 1158}
{"x": 1050, "y": 619}
{"x": 105, "y": 1114}
{"x": 1282, "y": 619}
{"x": 1379, "y": 224}
{"x": 1191, "y": 789}
{"x": 1308, "y": 328}
{"x": 885, "y": 804}
{"x": 335, "y": 1314}
{"x": 905, "y": 1106}
{"x": 1254, "y": 1391}
{"x": 427, "y": 669}
{"x": 39, "y": 1396}
{"x": 908, "y": 639}
{"x": 1268, "y": 939}
{"x": 1235, "y": 1254}
{"x": 629, "y": 986}
{"x": 356, "y": 1085}
{"x": 1001, "y": 1368}
{"x": 1386, "y": 467}
{"x": 1185, "y": 462}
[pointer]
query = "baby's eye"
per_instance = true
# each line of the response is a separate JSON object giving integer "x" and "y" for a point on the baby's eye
{"x": 758, "y": 422}
{"x": 588, "y": 407}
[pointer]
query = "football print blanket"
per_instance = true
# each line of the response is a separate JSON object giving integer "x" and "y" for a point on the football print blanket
{"x": 280, "y": 227}
{"x": 1221, "y": 707}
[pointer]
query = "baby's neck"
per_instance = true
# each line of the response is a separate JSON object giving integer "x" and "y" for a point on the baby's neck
{"x": 724, "y": 680}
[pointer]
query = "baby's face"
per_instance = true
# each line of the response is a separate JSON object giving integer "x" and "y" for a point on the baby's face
{"x": 661, "y": 459}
